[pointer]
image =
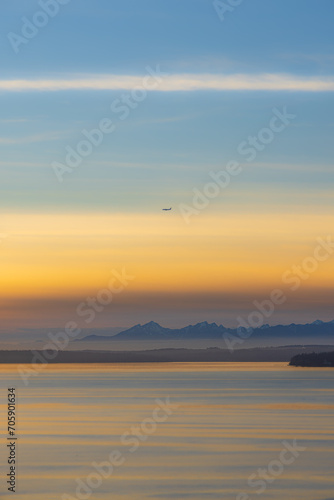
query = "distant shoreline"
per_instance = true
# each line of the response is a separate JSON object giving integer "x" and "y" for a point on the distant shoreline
{"x": 266, "y": 354}
{"x": 314, "y": 360}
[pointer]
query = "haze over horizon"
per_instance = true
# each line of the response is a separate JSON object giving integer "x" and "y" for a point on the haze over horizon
{"x": 215, "y": 95}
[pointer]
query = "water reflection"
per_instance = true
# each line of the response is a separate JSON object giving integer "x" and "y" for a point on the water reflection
{"x": 231, "y": 420}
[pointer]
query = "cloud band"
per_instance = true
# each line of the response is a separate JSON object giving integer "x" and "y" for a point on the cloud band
{"x": 175, "y": 83}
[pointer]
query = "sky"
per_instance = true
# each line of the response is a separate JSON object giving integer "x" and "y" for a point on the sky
{"x": 113, "y": 110}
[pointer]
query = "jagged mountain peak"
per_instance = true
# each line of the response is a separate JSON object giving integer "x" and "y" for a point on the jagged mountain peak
{"x": 204, "y": 330}
{"x": 205, "y": 324}
{"x": 152, "y": 326}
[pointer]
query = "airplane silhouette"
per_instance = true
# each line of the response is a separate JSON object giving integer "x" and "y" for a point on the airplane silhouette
{"x": 167, "y": 209}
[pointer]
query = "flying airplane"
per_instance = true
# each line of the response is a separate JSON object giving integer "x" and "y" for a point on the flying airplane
{"x": 167, "y": 209}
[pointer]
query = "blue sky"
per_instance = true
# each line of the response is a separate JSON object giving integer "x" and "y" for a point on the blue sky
{"x": 224, "y": 79}
{"x": 125, "y": 35}
{"x": 183, "y": 133}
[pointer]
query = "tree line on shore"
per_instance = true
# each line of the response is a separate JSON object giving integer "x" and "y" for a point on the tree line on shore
{"x": 313, "y": 359}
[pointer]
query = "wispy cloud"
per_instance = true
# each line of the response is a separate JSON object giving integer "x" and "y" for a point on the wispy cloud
{"x": 170, "y": 119}
{"x": 21, "y": 164}
{"x": 151, "y": 166}
{"x": 176, "y": 82}
{"x": 296, "y": 167}
{"x": 14, "y": 120}
{"x": 320, "y": 59}
{"x": 51, "y": 136}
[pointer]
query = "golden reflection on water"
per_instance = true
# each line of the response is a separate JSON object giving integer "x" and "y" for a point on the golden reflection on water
{"x": 232, "y": 419}
{"x": 161, "y": 367}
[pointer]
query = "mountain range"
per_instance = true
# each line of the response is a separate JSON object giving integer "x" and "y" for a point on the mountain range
{"x": 318, "y": 330}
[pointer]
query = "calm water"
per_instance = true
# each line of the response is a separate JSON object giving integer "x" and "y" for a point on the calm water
{"x": 231, "y": 420}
